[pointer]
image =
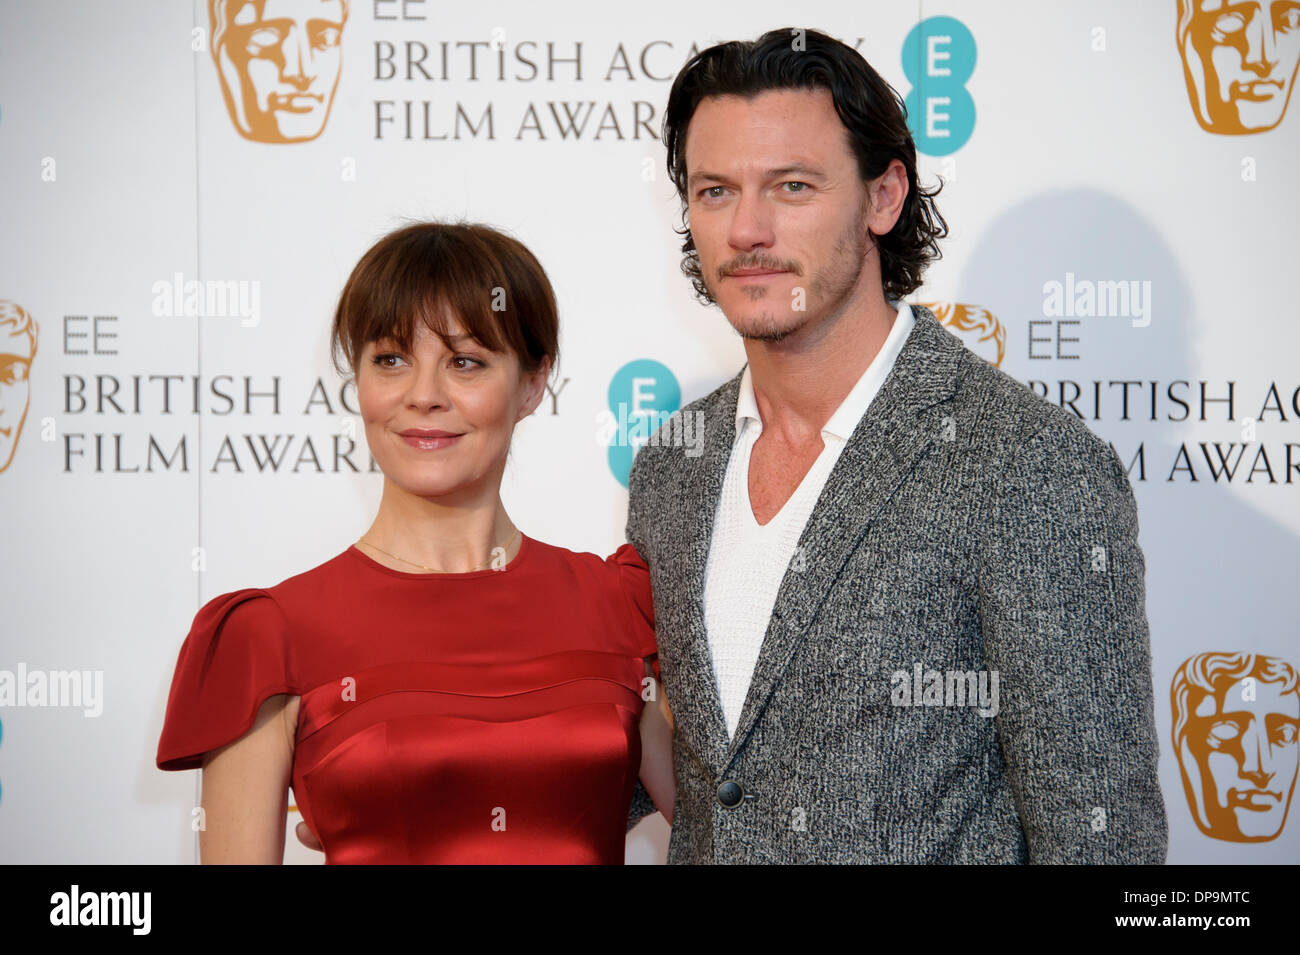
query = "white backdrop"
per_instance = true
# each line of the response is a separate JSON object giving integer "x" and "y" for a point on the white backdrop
{"x": 121, "y": 167}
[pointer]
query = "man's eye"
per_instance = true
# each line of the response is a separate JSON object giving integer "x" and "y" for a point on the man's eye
{"x": 709, "y": 193}
{"x": 262, "y": 39}
{"x": 1229, "y": 23}
{"x": 1221, "y": 733}
{"x": 1289, "y": 20}
{"x": 803, "y": 186}
{"x": 1284, "y": 735}
{"x": 326, "y": 37}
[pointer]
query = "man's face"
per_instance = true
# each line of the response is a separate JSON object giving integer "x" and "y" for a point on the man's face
{"x": 15, "y": 360}
{"x": 1248, "y": 54}
{"x": 777, "y": 210}
{"x": 1246, "y": 755}
{"x": 279, "y": 66}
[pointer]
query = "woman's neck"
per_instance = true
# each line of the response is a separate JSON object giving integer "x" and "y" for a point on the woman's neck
{"x": 460, "y": 536}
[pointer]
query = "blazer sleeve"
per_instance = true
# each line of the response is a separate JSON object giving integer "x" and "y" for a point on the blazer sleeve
{"x": 235, "y": 657}
{"x": 1063, "y": 618}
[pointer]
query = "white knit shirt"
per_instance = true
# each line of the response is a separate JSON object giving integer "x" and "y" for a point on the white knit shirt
{"x": 747, "y": 562}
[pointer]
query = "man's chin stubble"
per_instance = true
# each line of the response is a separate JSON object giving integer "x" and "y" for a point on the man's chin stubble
{"x": 765, "y": 329}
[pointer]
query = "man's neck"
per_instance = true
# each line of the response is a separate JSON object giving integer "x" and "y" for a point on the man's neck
{"x": 800, "y": 381}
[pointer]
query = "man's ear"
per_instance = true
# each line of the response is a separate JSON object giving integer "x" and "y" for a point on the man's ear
{"x": 886, "y": 195}
{"x": 535, "y": 385}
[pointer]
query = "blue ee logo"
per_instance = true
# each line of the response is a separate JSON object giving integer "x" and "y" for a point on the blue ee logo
{"x": 938, "y": 59}
{"x": 643, "y": 394}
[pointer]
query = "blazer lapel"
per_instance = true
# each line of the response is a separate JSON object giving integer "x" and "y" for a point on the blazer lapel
{"x": 887, "y": 443}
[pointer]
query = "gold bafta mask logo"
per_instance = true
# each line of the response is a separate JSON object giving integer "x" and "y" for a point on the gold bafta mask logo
{"x": 1235, "y": 722}
{"x": 17, "y": 349}
{"x": 1239, "y": 59}
{"x": 976, "y": 326}
{"x": 279, "y": 63}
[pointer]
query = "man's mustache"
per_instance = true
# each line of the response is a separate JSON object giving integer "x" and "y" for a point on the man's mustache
{"x": 760, "y": 262}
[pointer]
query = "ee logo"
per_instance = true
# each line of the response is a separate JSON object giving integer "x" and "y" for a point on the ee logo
{"x": 938, "y": 59}
{"x": 643, "y": 394}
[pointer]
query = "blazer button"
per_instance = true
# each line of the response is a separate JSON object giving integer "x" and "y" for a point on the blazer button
{"x": 730, "y": 794}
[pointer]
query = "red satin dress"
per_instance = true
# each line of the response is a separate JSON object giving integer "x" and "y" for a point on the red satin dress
{"x": 484, "y": 717}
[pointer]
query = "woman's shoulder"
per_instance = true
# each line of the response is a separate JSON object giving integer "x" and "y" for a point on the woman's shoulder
{"x": 622, "y": 578}
{"x": 623, "y": 554}
{"x": 272, "y": 610}
{"x": 588, "y": 566}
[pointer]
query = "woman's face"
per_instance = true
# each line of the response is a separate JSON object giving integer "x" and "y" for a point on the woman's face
{"x": 439, "y": 419}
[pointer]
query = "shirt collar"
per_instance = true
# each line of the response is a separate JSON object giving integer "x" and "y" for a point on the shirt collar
{"x": 846, "y": 417}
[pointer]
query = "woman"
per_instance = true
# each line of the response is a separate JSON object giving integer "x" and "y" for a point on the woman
{"x": 447, "y": 689}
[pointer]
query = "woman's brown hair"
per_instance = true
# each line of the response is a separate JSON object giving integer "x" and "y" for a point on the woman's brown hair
{"x": 432, "y": 272}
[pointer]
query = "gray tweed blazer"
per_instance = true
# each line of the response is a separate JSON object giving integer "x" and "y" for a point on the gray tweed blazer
{"x": 957, "y": 668}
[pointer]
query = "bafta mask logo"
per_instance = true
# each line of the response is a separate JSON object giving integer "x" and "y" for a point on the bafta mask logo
{"x": 17, "y": 349}
{"x": 1235, "y": 721}
{"x": 1239, "y": 59}
{"x": 279, "y": 63}
{"x": 976, "y": 326}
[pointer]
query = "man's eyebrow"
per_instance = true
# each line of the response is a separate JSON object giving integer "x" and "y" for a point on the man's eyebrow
{"x": 795, "y": 168}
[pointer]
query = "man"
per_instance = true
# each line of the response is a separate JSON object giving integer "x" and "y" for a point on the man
{"x": 899, "y": 598}
{"x": 18, "y": 333}
{"x": 1239, "y": 61}
{"x": 1235, "y": 723}
{"x": 279, "y": 63}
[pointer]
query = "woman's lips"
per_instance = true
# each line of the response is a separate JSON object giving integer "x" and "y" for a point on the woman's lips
{"x": 429, "y": 440}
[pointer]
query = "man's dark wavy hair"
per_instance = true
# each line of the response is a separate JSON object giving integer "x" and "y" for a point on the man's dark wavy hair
{"x": 870, "y": 109}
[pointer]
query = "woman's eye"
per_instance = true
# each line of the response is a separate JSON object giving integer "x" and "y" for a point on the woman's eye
{"x": 464, "y": 362}
{"x": 387, "y": 360}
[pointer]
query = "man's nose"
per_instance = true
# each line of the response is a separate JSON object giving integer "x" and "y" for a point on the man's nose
{"x": 297, "y": 58}
{"x": 1261, "y": 45}
{"x": 1255, "y": 766}
{"x": 751, "y": 224}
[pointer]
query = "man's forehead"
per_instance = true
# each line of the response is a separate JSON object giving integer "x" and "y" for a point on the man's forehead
{"x": 782, "y": 144}
{"x": 1265, "y": 695}
{"x": 797, "y": 101}
{"x": 255, "y": 11}
{"x": 1214, "y": 6}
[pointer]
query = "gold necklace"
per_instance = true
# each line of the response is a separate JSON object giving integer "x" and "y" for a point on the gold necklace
{"x": 434, "y": 570}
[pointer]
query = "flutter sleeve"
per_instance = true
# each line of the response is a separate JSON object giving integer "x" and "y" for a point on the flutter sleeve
{"x": 237, "y": 655}
{"x": 634, "y": 579}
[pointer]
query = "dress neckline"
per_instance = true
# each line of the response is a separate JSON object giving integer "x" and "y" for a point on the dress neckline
{"x": 525, "y": 548}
